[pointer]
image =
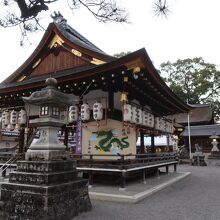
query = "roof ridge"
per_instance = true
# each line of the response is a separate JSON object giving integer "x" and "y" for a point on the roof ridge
{"x": 77, "y": 34}
{"x": 66, "y": 29}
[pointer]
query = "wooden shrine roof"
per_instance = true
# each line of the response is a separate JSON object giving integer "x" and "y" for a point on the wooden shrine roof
{"x": 61, "y": 48}
{"x": 86, "y": 66}
{"x": 202, "y": 130}
{"x": 199, "y": 115}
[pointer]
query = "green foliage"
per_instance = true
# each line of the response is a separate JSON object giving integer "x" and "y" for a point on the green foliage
{"x": 121, "y": 54}
{"x": 194, "y": 80}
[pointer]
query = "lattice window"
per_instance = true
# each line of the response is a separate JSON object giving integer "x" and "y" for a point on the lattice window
{"x": 44, "y": 110}
{"x": 55, "y": 111}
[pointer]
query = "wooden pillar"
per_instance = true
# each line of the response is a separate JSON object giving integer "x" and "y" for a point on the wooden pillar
{"x": 168, "y": 143}
{"x": 144, "y": 176}
{"x": 175, "y": 167}
{"x": 66, "y": 135}
{"x": 29, "y": 134}
{"x": 90, "y": 178}
{"x": 142, "y": 150}
{"x": 122, "y": 181}
{"x": 158, "y": 173}
{"x": 0, "y": 133}
{"x": 21, "y": 141}
{"x": 167, "y": 169}
{"x": 110, "y": 104}
{"x": 90, "y": 171}
{"x": 153, "y": 150}
{"x": 123, "y": 174}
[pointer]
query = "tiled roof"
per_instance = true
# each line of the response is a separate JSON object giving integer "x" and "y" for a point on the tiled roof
{"x": 76, "y": 37}
{"x": 43, "y": 77}
{"x": 200, "y": 114}
{"x": 202, "y": 130}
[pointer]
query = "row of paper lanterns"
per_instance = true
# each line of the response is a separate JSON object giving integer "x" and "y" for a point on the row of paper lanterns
{"x": 135, "y": 115}
{"x": 163, "y": 125}
{"x": 13, "y": 118}
{"x": 85, "y": 112}
{"x": 131, "y": 114}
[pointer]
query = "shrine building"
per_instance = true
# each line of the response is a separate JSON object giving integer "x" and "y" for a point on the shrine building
{"x": 114, "y": 100}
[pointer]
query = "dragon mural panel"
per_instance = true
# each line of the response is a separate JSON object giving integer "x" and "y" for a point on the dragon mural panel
{"x": 112, "y": 138}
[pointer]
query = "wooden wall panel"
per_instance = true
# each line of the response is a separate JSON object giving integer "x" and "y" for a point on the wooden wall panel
{"x": 52, "y": 63}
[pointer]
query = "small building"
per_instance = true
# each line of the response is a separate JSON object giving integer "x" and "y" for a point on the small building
{"x": 202, "y": 126}
{"x": 200, "y": 134}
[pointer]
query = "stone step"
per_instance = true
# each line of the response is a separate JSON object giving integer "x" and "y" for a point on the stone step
{"x": 1, "y": 209}
{"x": 43, "y": 190}
{"x": 46, "y": 166}
{"x": 42, "y": 178}
{"x": 60, "y": 201}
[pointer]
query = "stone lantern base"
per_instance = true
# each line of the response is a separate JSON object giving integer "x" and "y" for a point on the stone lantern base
{"x": 44, "y": 190}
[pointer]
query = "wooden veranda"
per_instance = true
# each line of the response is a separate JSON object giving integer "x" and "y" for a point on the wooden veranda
{"x": 123, "y": 165}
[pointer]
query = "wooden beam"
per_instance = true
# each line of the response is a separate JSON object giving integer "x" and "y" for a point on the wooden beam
{"x": 110, "y": 103}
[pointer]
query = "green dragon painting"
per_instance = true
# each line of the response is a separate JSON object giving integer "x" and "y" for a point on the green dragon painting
{"x": 109, "y": 141}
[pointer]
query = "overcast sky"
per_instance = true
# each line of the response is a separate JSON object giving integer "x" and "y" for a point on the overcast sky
{"x": 191, "y": 30}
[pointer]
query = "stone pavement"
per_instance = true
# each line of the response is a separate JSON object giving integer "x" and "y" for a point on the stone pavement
{"x": 196, "y": 197}
{"x": 136, "y": 190}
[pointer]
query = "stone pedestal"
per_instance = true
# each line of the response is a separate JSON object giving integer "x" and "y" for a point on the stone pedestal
{"x": 198, "y": 159}
{"x": 213, "y": 159}
{"x": 47, "y": 147}
{"x": 44, "y": 190}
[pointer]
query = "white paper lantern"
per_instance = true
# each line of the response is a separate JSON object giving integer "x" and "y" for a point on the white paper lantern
{"x": 73, "y": 113}
{"x": 151, "y": 120}
{"x": 157, "y": 123}
{"x": 160, "y": 124}
{"x": 145, "y": 118}
{"x": 14, "y": 117}
{"x": 127, "y": 112}
{"x": 5, "y": 118}
{"x": 97, "y": 111}
{"x": 163, "y": 125}
{"x": 22, "y": 117}
{"x": 169, "y": 127}
{"x": 139, "y": 116}
{"x": 85, "y": 112}
{"x": 10, "y": 127}
{"x": 134, "y": 116}
{"x": 27, "y": 129}
{"x": 148, "y": 119}
{"x": 17, "y": 126}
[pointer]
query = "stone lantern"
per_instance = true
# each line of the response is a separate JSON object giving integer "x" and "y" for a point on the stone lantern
{"x": 214, "y": 142}
{"x": 214, "y": 158}
{"x": 50, "y": 102}
{"x": 45, "y": 185}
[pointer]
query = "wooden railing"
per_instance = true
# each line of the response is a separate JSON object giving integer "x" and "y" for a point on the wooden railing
{"x": 123, "y": 164}
{"x": 122, "y": 161}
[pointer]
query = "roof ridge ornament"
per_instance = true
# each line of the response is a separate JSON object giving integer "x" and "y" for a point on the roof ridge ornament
{"x": 58, "y": 18}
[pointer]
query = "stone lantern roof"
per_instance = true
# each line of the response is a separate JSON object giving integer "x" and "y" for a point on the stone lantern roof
{"x": 49, "y": 95}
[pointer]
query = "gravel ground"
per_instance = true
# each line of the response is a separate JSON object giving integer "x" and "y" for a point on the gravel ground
{"x": 195, "y": 198}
